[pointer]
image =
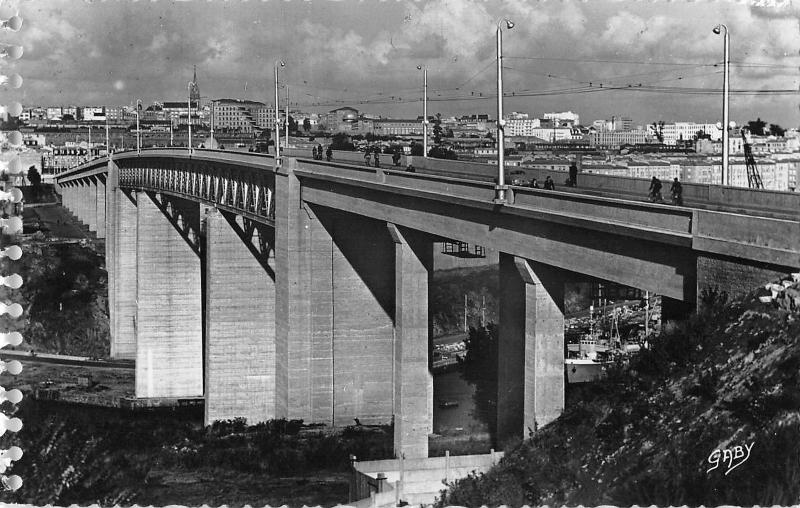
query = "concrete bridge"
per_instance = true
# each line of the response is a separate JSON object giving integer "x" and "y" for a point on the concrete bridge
{"x": 301, "y": 289}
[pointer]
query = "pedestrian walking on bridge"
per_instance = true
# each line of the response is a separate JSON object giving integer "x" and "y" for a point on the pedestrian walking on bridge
{"x": 573, "y": 175}
{"x": 329, "y": 153}
{"x": 676, "y": 189}
{"x": 368, "y": 156}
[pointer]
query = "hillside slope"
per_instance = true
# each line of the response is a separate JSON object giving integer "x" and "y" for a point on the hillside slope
{"x": 729, "y": 376}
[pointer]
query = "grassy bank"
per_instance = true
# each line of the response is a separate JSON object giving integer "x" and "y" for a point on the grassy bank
{"x": 83, "y": 455}
{"x": 730, "y": 376}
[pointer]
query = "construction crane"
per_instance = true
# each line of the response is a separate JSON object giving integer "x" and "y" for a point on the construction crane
{"x": 753, "y": 176}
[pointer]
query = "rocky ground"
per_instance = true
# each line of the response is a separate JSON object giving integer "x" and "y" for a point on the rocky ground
{"x": 653, "y": 431}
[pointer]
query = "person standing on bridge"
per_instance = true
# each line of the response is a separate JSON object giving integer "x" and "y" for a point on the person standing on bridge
{"x": 329, "y": 153}
{"x": 573, "y": 175}
{"x": 549, "y": 184}
{"x": 377, "y": 157}
{"x": 396, "y": 157}
{"x": 368, "y": 156}
{"x": 314, "y": 152}
{"x": 676, "y": 189}
{"x": 319, "y": 151}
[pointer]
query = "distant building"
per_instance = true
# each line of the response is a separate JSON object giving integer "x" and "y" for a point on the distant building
{"x": 566, "y": 116}
{"x": 686, "y": 131}
{"x": 521, "y": 126}
{"x": 618, "y": 138}
{"x": 241, "y": 115}
{"x": 92, "y": 114}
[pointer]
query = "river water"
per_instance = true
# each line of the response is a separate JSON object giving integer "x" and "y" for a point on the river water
{"x": 449, "y": 386}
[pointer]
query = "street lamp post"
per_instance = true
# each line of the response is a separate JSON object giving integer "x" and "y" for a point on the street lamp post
{"x": 286, "y": 123}
{"x": 424, "y": 110}
{"x": 189, "y": 117}
{"x": 138, "y": 132}
{"x": 108, "y": 143}
{"x": 277, "y": 115}
{"x": 500, "y": 188}
{"x": 725, "y": 97}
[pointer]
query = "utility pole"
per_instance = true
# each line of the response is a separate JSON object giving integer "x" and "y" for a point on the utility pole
{"x": 287, "y": 118}
{"x": 465, "y": 312}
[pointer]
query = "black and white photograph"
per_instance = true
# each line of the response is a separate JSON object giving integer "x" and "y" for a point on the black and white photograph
{"x": 375, "y": 254}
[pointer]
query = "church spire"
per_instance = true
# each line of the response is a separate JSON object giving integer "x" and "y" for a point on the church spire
{"x": 194, "y": 94}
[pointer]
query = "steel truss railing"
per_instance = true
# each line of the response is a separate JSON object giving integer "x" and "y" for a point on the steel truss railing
{"x": 245, "y": 191}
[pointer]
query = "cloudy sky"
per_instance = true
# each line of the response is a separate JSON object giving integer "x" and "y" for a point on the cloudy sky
{"x": 651, "y": 60}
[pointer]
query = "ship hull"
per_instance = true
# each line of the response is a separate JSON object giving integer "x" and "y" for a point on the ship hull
{"x": 583, "y": 370}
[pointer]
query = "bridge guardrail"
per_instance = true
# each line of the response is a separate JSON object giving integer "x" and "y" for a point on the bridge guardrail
{"x": 659, "y": 217}
{"x": 735, "y": 197}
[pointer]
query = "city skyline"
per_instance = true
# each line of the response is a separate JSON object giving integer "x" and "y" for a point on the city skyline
{"x": 364, "y": 55}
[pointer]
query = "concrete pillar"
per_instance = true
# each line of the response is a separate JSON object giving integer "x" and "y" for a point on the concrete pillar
{"x": 335, "y": 299}
{"x": 91, "y": 204}
{"x": 363, "y": 280}
{"x": 83, "y": 203}
{"x": 531, "y": 347}
{"x": 169, "y": 334}
{"x": 303, "y": 348}
{"x": 121, "y": 264}
{"x": 240, "y": 327}
{"x": 62, "y": 190}
{"x": 413, "y": 380}
{"x": 100, "y": 208}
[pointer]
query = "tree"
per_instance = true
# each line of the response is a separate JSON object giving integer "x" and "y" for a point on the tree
{"x": 658, "y": 130}
{"x": 437, "y": 130}
{"x": 439, "y": 152}
{"x": 306, "y": 124}
{"x": 417, "y": 149}
{"x": 776, "y": 130}
{"x": 756, "y": 127}
{"x": 480, "y": 369}
{"x": 292, "y": 124}
{"x": 701, "y": 134}
{"x": 341, "y": 141}
{"x": 34, "y": 177}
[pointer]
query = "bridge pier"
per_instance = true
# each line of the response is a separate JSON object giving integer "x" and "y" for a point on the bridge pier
{"x": 531, "y": 347}
{"x": 413, "y": 380}
{"x": 169, "y": 335}
{"x": 100, "y": 208}
{"x": 334, "y": 316}
{"x": 121, "y": 264}
{"x": 90, "y": 204}
{"x": 240, "y": 367}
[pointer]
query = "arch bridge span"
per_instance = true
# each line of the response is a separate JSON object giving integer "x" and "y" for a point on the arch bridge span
{"x": 301, "y": 290}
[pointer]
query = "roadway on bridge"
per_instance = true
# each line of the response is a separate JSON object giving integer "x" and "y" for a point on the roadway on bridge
{"x": 560, "y": 187}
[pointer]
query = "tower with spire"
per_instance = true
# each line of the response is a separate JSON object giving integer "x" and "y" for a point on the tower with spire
{"x": 194, "y": 92}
